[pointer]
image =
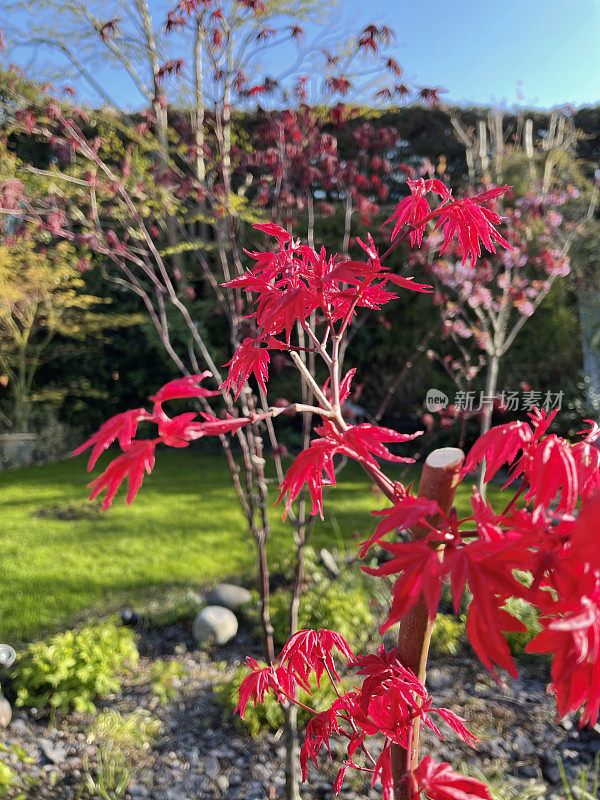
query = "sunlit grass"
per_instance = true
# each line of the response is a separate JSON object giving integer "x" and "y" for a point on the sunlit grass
{"x": 185, "y": 529}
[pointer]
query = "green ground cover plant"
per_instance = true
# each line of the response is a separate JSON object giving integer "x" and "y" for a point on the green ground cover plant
{"x": 73, "y": 669}
{"x": 121, "y": 741}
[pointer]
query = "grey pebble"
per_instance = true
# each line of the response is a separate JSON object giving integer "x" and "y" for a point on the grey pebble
{"x": 229, "y": 596}
{"x": 215, "y": 625}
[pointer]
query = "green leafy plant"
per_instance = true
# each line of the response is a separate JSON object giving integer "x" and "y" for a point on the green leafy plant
{"x": 121, "y": 742}
{"x": 8, "y": 778}
{"x": 449, "y": 632}
{"x": 269, "y": 715}
{"x": 72, "y": 669}
{"x": 12, "y": 784}
{"x": 526, "y": 614}
{"x": 448, "y": 635}
{"x": 164, "y": 677}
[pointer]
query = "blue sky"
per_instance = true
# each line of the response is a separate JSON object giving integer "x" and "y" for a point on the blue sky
{"x": 491, "y": 51}
{"x": 538, "y": 53}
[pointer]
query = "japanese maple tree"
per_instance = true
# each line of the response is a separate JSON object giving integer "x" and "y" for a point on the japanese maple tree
{"x": 164, "y": 202}
{"x": 545, "y": 531}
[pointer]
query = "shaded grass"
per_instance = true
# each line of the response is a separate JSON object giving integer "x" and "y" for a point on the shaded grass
{"x": 185, "y": 529}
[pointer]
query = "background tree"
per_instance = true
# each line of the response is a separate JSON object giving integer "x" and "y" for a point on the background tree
{"x": 545, "y": 165}
{"x": 43, "y": 297}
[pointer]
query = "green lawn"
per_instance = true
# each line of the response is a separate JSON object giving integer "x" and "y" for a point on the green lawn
{"x": 184, "y": 529}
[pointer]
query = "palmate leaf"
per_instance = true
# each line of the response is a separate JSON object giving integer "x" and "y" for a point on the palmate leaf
{"x": 136, "y": 460}
{"x": 438, "y": 781}
{"x": 249, "y": 359}
{"x": 122, "y": 427}
{"x": 181, "y": 388}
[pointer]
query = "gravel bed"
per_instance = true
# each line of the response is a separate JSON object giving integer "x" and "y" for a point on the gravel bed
{"x": 202, "y": 756}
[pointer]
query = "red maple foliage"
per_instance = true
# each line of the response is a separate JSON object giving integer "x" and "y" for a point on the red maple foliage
{"x": 440, "y": 782}
{"x": 540, "y": 548}
{"x": 138, "y": 455}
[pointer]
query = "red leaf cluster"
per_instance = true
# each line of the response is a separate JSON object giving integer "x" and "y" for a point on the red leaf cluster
{"x": 314, "y": 467}
{"x": 389, "y": 701}
{"x": 295, "y": 281}
{"x": 440, "y": 782}
{"x": 138, "y": 454}
{"x": 467, "y": 219}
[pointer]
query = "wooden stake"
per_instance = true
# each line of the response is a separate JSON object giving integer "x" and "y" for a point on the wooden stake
{"x": 439, "y": 479}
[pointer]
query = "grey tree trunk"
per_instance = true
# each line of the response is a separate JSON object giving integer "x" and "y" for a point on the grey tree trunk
{"x": 589, "y": 323}
{"x": 292, "y": 754}
{"x": 491, "y": 384}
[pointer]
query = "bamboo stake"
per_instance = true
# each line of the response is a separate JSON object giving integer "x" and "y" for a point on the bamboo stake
{"x": 439, "y": 479}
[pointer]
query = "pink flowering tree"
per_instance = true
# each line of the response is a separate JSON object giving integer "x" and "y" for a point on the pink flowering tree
{"x": 547, "y": 221}
{"x": 545, "y": 529}
{"x": 483, "y": 309}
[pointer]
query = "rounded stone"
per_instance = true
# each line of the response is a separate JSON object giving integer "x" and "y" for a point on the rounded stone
{"x": 5, "y": 712}
{"x": 129, "y": 616}
{"x": 523, "y": 745}
{"x": 229, "y": 596}
{"x": 215, "y": 625}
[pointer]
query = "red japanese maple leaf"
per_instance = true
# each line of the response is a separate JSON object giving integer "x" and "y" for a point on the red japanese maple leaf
{"x": 438, "y": 781}
{"x": 318, "y": 732}
{"x": 472, "y": 224}
{"x": 414, "y": 210}
{"x": 260, "y": 681}
{"x": 587, "y": 459}
{"x": 136, "y": 460}
{"x": 583, "y": 532}
{"x": 309, "y": 651}
{"x": 122, "y": 427}
{"x": 391, "y": 697}
{"x": 499, "y": 446}
{"x": 251, "y": 358}
{"x": 179, "y": 431}
{"x": 181, "y": 388}
{"x": 484, "y": 630}
{"x": 215, "y": 426}
{"x": 312, "y": 467}
{"x": 405, "y": 514}
{"x": 421, "y": 572}
{"x": 552, "y": 468}
{"x": 572, "y": 633}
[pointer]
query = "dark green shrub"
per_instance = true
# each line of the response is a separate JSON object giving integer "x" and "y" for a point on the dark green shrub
{"x": 528, "y": 615}
{"x": 269, "y": 715}
{"x": 72, "y": 669}
{"x": 448, "y": 635}
{"x": 336, "y": 607}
